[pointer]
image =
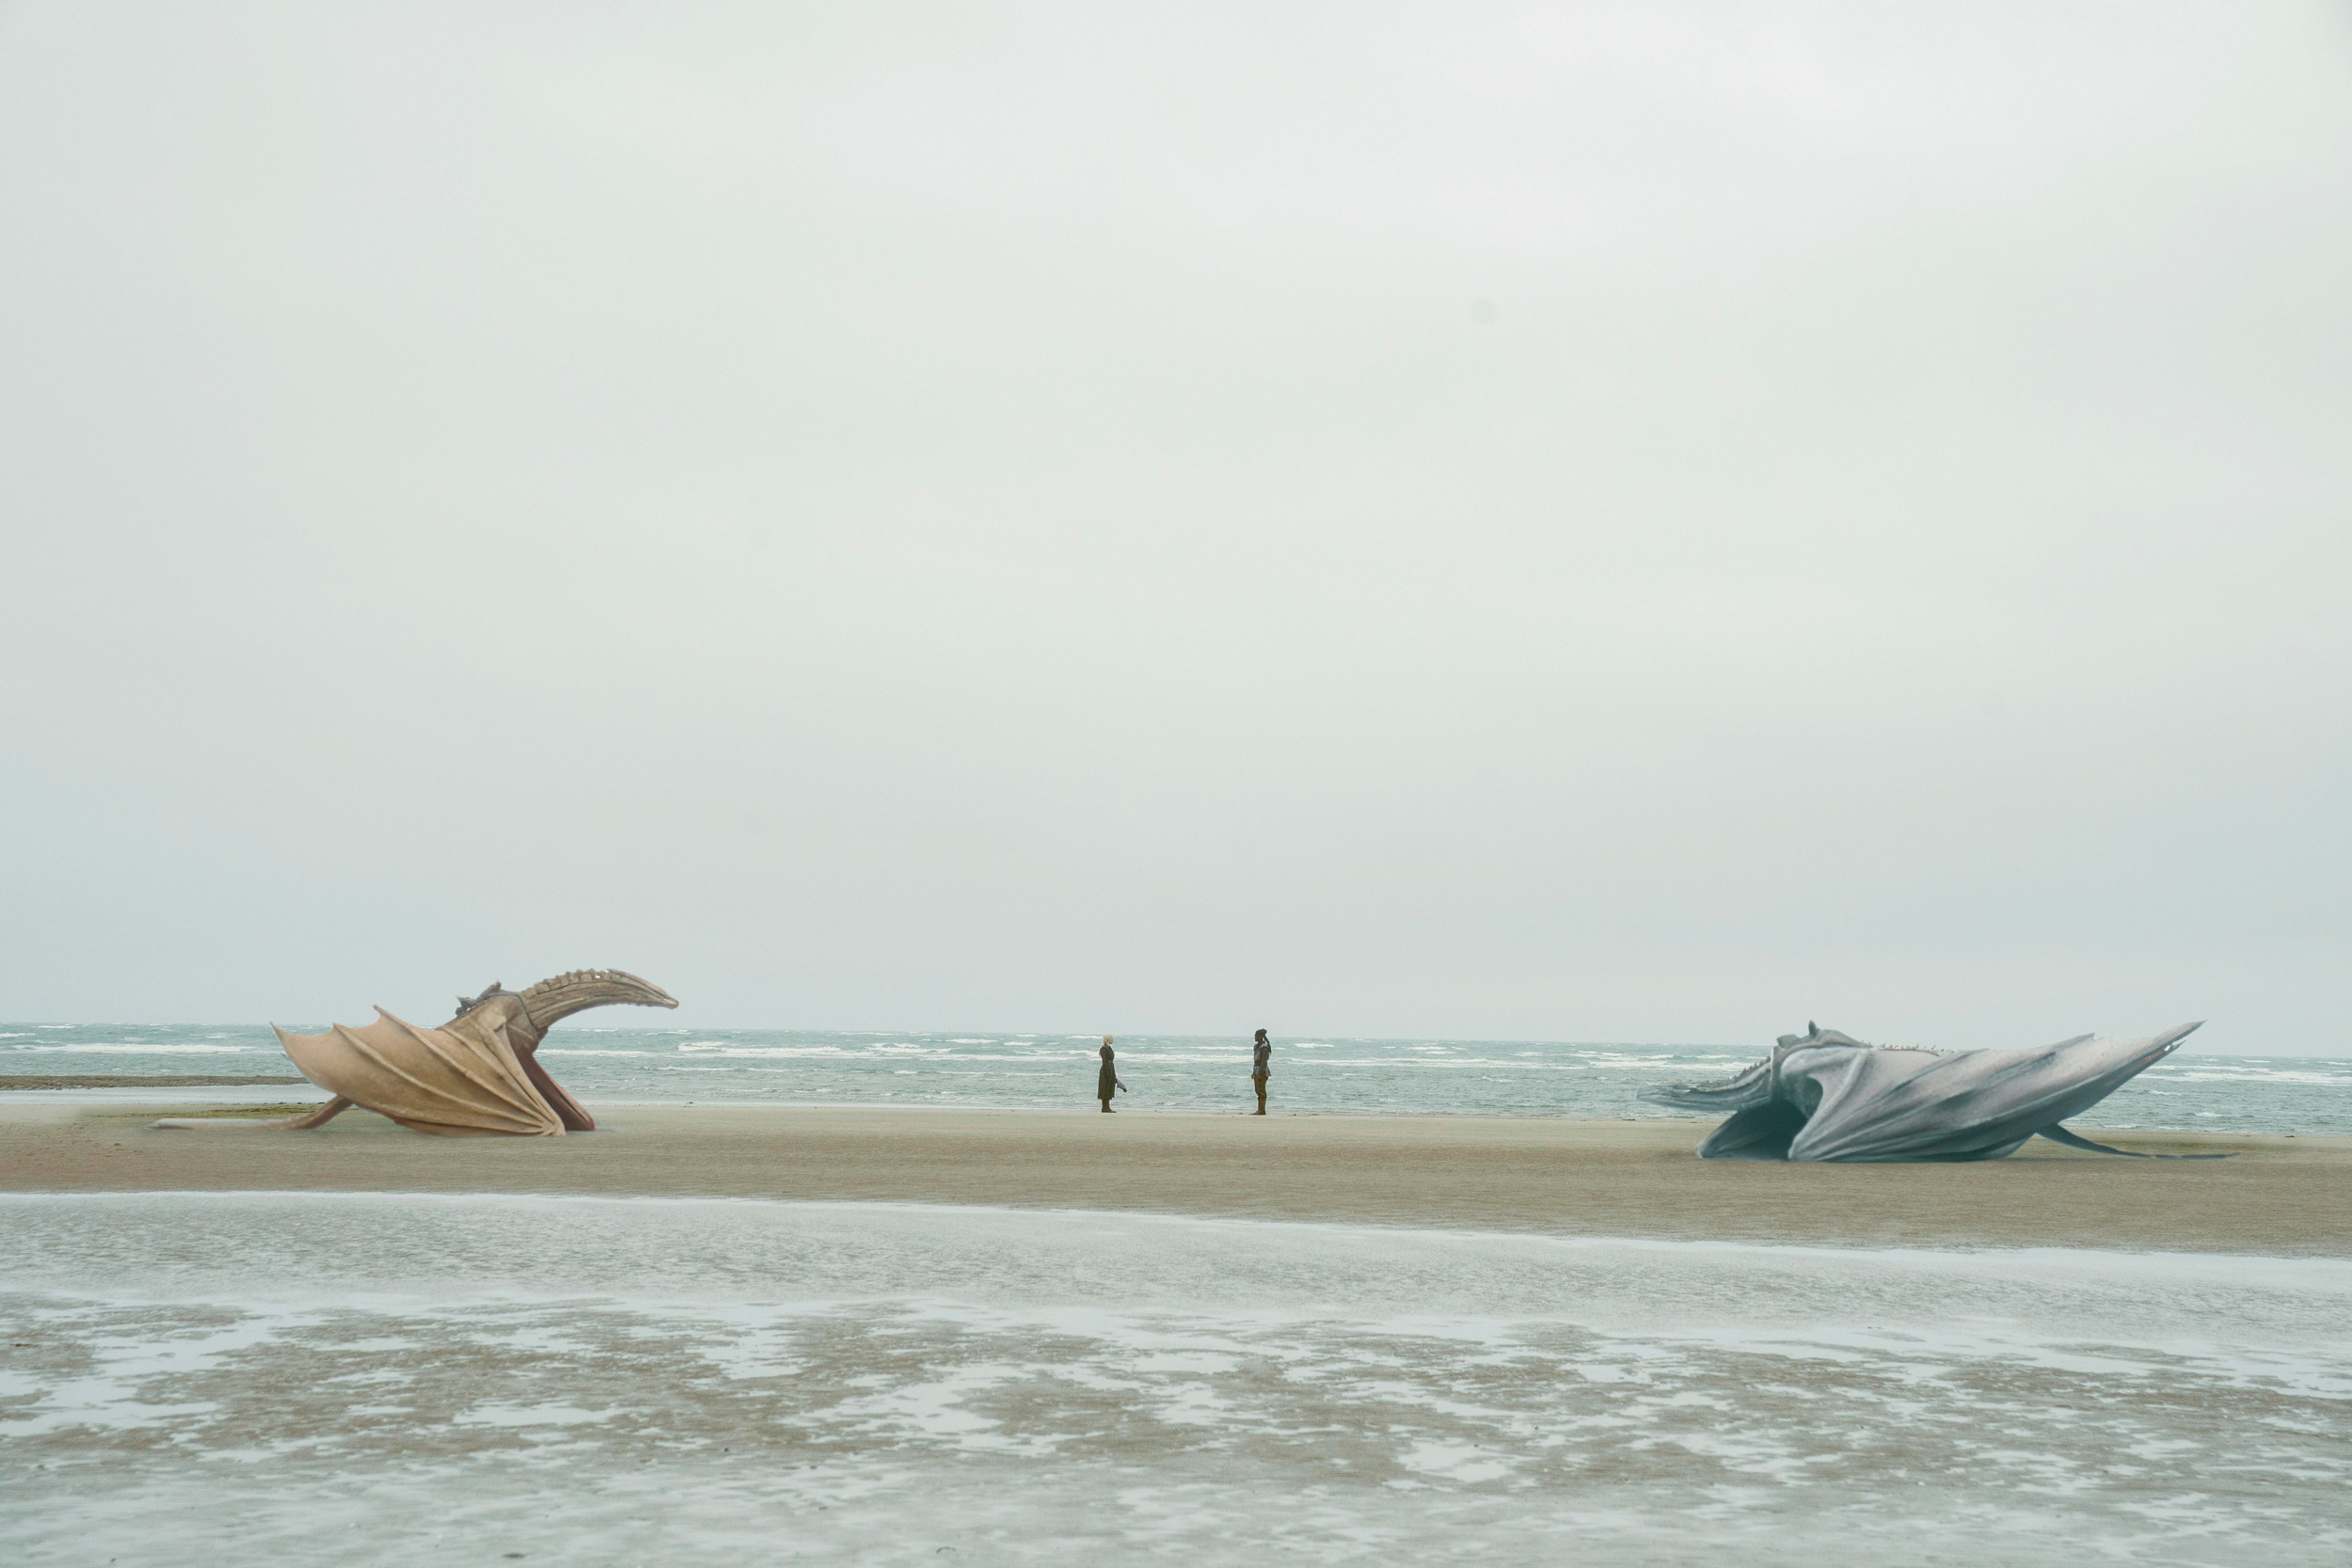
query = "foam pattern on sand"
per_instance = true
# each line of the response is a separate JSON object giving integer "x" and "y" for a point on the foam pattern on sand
{"x": 274, "y": 1376}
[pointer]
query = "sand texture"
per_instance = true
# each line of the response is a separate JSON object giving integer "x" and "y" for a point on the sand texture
{"x": 2284, "y": 1195}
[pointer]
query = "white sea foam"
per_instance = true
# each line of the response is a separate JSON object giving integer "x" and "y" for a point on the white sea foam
{"x": 703, "y": 1379}
{"x": 2208, "y": 1074}
{"x": 123, "y": 1048}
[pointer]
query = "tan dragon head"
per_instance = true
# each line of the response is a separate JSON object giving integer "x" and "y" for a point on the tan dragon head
{"x": 582, "y": 989}
{"x": 577, "y": 992}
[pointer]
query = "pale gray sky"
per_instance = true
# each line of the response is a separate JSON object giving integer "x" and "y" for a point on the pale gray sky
{"x": 1607, "y": 522}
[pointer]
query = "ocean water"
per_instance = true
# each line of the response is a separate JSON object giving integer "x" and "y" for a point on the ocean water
{"x": 286, "y": 1378}
{"x": 2237, "y": 1094}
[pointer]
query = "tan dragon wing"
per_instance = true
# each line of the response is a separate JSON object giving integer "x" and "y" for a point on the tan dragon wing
{"x": 458, "y": 1080}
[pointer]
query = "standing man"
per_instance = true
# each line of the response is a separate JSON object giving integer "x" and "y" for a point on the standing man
{"x": 1106, "y": 1082}
{"x": 1260, "y": 1067}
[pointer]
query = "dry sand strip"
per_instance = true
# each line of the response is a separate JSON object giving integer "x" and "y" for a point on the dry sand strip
{"x": 2284, "y": 1195}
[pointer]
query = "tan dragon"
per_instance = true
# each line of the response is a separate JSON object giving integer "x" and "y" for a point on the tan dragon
{"x": 477, "y": 1074}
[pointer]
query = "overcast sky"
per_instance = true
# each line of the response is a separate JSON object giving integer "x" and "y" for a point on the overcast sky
{"x": 1644, "y": 522}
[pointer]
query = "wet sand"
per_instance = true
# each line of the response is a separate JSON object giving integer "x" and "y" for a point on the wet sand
{"x": 2284, "y": 1195}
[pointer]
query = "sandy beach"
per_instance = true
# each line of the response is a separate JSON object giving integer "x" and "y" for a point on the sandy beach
{"x": 468, "y": 1347}
{"x": 2282, "y": 1196}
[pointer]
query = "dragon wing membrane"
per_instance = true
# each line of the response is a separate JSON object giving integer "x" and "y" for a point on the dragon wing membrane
{"x": 1828, "y": 1098}
{"x": 1969, "y": 1105}
{"x": 459, "y": 1080}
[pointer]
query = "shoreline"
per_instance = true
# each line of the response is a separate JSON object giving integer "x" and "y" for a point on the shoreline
{"x": 2282, "y": 1196}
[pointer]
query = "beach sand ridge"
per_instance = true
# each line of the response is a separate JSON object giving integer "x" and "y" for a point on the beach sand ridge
{"x": 2284, "y": 1195}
